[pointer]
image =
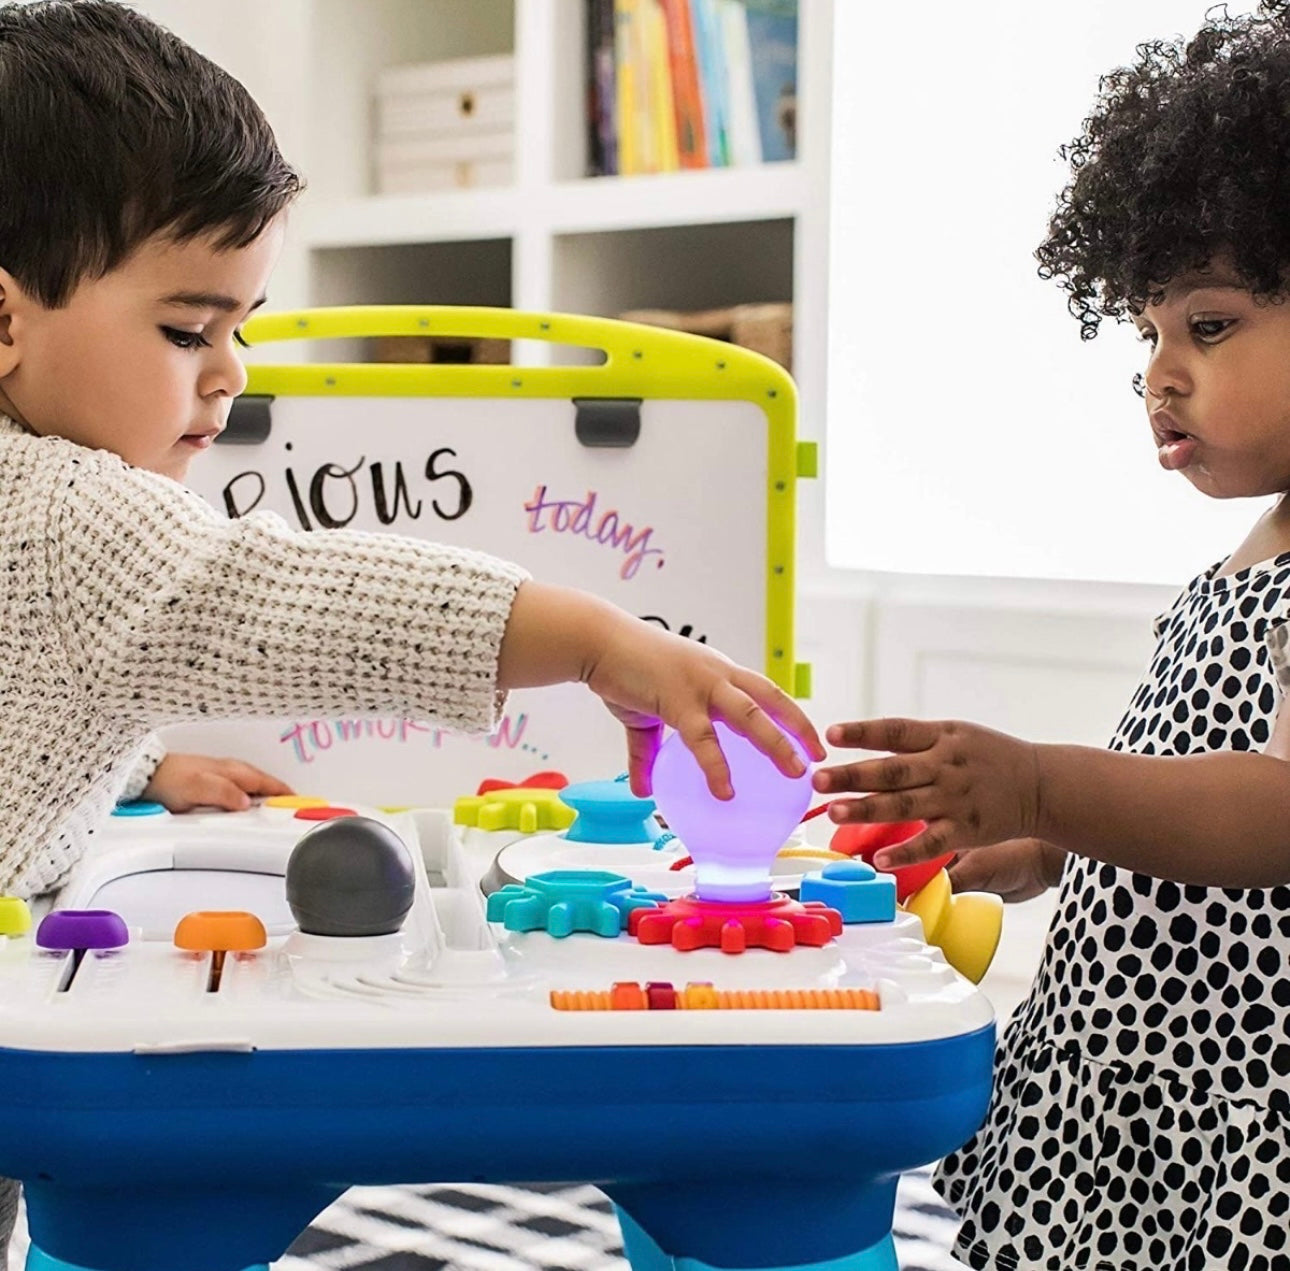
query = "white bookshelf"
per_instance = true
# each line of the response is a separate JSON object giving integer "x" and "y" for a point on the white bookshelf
{"x": 554, "y": 240}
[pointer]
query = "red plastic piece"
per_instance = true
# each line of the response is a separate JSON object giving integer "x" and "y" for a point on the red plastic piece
{"x": 778, "y": 924}
{"x": 323, "y": 814}
{"x": 864, "y": 840}
{"x": 660, "y": 995}
{"x": 819, "y": 810}
{"x": 538, "y": 781}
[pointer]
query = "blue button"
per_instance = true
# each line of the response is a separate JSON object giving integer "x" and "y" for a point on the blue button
{"x": 857, "y": 891}
{"x": 139, "y": 807}
{"x": 854, "y": 871}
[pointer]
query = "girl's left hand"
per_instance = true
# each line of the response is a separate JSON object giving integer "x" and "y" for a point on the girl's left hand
{"x": 184, "y": 782}
{"x": 972, "y": 785}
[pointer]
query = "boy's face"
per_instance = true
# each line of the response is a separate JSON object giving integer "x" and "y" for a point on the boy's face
{"x": 1218, "y": 384}
{"x": 143, "y": 361}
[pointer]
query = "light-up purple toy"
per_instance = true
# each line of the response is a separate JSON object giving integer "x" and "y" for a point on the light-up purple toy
{"x": 733, "y": 843}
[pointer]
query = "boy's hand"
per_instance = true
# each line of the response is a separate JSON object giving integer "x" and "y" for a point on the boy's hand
{"x": 649, "y": 678}
{"x": 184, "y": 782}
{"x": 1018, "y": 870}
{"x": 973, "y": 786}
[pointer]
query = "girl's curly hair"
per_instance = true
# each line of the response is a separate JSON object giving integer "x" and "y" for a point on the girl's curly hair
{"x": 1186, "y": 154}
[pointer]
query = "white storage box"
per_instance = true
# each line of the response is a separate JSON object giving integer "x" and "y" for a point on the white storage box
{"x": 408, "y": 165}
{"x": 445, "y": 125}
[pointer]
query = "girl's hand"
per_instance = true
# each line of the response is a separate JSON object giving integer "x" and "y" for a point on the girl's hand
{"x": 1017, "y": 870}
{"x": 184, "y": 782}
{"x": 650, "y": 678}
{"x": 973, "y": 786}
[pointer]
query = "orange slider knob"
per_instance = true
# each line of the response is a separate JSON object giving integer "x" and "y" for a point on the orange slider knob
{"x": 219, "y": 932}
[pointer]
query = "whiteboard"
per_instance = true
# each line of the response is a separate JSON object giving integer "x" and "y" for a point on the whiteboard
{"x": 673, "y": 528}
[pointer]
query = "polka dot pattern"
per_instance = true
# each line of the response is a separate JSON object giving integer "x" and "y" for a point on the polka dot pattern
{"x": 1141, "y": 1112}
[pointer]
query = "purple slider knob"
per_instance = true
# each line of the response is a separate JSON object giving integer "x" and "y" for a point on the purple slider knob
{"x": 82, "y": 929}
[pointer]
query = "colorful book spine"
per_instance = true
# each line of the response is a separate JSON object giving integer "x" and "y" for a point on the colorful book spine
{"x": 712, "y": 72}
{"x": 745, "y": 141}
{"x": 772, "y": 37}
{"x": 591, "y": 82}
{"x": 692, "y": 146}
{"x": 662, "y": 95}
{"x": 629, "y": 90}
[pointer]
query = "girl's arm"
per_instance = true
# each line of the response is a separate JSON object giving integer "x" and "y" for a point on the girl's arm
{"x": 1219, "y": 820}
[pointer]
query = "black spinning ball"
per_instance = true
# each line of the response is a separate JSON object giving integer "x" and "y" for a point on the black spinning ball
{"x": 350, "y": 877}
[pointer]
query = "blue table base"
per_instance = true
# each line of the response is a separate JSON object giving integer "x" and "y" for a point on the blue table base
{"x": 216, "y": 1161}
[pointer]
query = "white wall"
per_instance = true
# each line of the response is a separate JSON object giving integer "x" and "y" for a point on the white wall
{"x": 971, "y": 430}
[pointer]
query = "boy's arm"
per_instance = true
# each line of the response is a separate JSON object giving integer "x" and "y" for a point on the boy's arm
{"x": 551, "y": 634}
{"x": 149, "y": 759}
{"x": 648, "y": 677}
{"x": 1219, "y": 820}
{"x": 168, "y": 612}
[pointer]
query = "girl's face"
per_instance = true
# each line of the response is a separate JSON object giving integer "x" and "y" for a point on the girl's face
{"x": 1217, "y": 384}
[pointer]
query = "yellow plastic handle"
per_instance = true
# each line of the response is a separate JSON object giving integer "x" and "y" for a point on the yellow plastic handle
{"x": 621, "y": 342}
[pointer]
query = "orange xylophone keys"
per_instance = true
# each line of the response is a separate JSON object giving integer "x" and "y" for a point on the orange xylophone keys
{"x": 702, "y": 996}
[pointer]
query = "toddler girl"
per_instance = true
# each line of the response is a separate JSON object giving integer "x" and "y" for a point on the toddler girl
{"x": 1141, "y": 1114}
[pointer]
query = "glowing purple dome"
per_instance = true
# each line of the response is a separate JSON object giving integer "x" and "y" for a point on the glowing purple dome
{"x": 732, "y": 843}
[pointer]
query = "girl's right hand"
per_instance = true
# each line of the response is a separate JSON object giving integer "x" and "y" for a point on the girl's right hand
{"x": 1017, "y": 870}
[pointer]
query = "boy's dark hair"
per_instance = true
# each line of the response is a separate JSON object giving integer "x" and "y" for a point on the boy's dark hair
{"x": 1186, "y": 154}
{"x": 113, "y": 130}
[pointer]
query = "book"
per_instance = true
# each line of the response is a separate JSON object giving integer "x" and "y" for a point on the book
{"x": 661, "y": 109}
{"x": 744, "y": 137}
{"x": 687, "y": 94}
{"x": 601, "y": 89}
{"x": 712, "y": 76}
{"x": 772, "y": 37}
{"x": 630, "y": 87}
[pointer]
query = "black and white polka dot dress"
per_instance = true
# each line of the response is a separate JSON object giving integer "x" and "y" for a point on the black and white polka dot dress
{"x": 1141, "y": 1113}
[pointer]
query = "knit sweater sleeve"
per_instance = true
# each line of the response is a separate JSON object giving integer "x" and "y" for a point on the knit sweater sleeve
{"x": 149, "y": 758}
{"x": 169, "y": 612}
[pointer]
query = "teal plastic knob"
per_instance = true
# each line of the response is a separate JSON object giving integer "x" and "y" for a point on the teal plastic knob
{"x": 608, "y": 812}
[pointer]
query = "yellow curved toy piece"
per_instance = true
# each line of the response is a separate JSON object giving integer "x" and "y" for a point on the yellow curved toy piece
{"x": 522, "y": 808}
{"x": 965, "y": 928}
{"x": 810, "y": 854}
{"x": 15, "y": 917}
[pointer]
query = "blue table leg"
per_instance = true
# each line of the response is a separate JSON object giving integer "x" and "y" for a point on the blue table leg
{"x": 39, "y": 1260}
{"x": 758, "y": 1225}
{"x": 166, "y": 1229}
{"x": 645, "y": 1255}
{"x": 642, "y": 1252}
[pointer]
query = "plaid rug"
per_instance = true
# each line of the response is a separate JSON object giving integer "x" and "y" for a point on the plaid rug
{"x": 494, "y": 1228}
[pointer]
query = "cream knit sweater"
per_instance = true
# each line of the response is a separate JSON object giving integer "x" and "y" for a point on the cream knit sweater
{"x": 127, "y": 603}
